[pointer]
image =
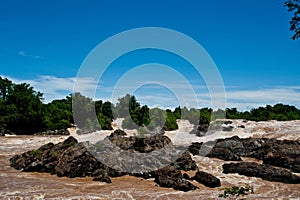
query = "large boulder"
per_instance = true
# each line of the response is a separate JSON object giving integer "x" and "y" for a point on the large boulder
{"x": 185, "y": 162}
{"x": 207, "y": 179}
{"x": 195, "y": 147}
{"x": 171, "y": 177}
{"x": 223, "y": 154}
{"x": 266, "y": 172}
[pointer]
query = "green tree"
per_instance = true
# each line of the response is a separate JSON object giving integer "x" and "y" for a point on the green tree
{"x": 170, "y": 123}
{"x": 294, "y": 8}
{"x": 84, "y": 112}
{"x": 24, "y": 109}
{"x": 58, "y": 114}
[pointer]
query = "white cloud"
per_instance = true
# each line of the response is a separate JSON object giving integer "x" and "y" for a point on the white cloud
{"x": 25, "y": 54}
{"x": 56, "y": 88}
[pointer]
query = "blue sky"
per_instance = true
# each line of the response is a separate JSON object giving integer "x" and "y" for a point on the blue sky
{"x": 45, "y": 42}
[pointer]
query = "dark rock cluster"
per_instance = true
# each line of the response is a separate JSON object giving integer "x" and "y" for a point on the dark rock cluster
{"x": 278, "y": 153}
{"x": 71, "y": 158}
{"x": 266, "y": 172}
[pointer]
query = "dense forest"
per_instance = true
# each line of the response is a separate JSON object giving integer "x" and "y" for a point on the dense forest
{"x": 22, "y": 111}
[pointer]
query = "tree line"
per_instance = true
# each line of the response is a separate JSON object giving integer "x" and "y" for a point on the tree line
{"x": 22, "y": 111}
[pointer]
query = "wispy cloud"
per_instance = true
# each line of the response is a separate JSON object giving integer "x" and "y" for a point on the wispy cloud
{"x": 25, "y": 54}
{"x": 57, "y": 88}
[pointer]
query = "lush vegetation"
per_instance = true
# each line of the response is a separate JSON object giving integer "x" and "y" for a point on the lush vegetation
{"x": 22, "y": 111}
{"x": 236, "y": 191}
{"x": 278, "y": 112}
{"x": 294, "y": 8}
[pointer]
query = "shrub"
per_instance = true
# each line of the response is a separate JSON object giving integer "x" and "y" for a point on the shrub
{"x": 236, "y": 191}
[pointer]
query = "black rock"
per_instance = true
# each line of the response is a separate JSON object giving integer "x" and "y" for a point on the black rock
{"x": 223, "y": 154}
{"x": 266, "y": 172}
{"x": 195, "y": 147}
{"x": 185, "y": 162}
{"x": 72, "y": 159}
{"x": 207, "y": 179}
{"x": 101, "y": 175}
{"x": 171, "y": 177}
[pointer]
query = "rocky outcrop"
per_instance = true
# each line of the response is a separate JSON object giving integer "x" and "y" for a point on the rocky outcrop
{"x": 195, "y": 147}
{"x": 280, "y": 153}
{"x": 223, "y": 154}
{"x": 171, "y": 177}
{"x": 266, "y": 172}
{"x": 72, "y": 159}
{"x": 207, "y": 179}
{"x": 139, "y": 144}
{"x": 185, "y": 162}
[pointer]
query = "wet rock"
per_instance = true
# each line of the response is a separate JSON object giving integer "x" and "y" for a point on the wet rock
{"x": 227, "y": 128}
{"x": 117, "y": 133}
{"x": 101, "y": 175}
{"x": 171, "y": 177}
{"x": 76, "y": 161}
{"x": 186, "y": 176}
{"x": 266, "y": 172}
{"x": 234, "y": 144}
{"x": 185, "y": 162}
{"x": 227, "y": 122}
{"x": 72, "y": 159}
{"x": 207, "y": 179}
{"x": 223, "y": 154}
{"x": 200, "y": 130}
{"x": 195, "y": 147}
{"x": 140, "y": 144}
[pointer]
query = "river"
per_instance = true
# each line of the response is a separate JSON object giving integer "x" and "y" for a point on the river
{"x": 15, "y": 184}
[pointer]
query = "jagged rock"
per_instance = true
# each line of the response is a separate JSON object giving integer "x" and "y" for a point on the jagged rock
{"x": 117, "y": 133}
{"x": 200, "y": 130}
{"x": 207, "y": 179}
{"x": 142, "y": 145}
{"x": 185, "y": 162}
{"x": 266, "y": 172}
{"x": 223, "y": 154}
{"x": 227, "y": 122}
{"x": 72, "y": 159}
{"x": 186, "y": 176}
{"x": 76, "y": 161}
{"x": 227, "y": 128}
{"x": 234, "y": 144}
{"x": 101, "y": 175}
{"x": 195, "y": 147}
{"x": 171, "y": 177}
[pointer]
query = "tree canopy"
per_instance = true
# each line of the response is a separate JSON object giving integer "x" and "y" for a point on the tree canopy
{"x": 294, "y": 8}
{"x": 22, "y": 111}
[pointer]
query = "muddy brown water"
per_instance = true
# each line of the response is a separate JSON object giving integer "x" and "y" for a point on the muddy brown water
{"x": 15, "y": 184}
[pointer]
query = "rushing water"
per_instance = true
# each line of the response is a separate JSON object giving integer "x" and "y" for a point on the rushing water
{"x": 15, "y": 184}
